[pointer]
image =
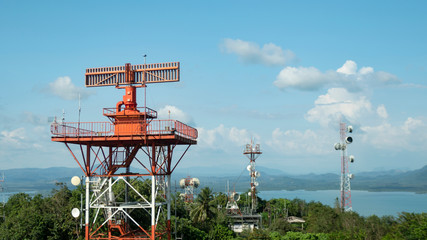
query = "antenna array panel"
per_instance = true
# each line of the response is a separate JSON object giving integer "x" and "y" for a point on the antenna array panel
{"x": 144, "y": 73}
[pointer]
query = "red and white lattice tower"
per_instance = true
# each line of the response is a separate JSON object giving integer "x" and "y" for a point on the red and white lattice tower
{"x": 346, "y": 176}
{"x": 134, "y": 137}
{"x": 189, "y": 184}
{"x": 252, "y": 151}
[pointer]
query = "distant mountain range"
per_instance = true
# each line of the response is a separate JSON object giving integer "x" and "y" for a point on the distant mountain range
{"x": 43, "y": 180}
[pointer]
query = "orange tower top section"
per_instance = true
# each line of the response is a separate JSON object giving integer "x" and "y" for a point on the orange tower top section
{"x": 128, "y": 122}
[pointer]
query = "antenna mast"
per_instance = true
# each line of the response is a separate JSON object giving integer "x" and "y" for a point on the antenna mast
{"x": 252, "y": 152}
{"x": 346, "y": 176}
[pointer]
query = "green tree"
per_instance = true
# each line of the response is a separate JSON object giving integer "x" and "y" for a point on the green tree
{"x": 220, "y": 232}
{"x": 409, "y": 226}
{"x": 322, "y": 219}
{"x": 204, "y": 208}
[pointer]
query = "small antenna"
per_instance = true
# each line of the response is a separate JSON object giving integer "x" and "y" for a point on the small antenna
{"x": 80, "y": 108}
{"x": 145, "y": 58}
{"x": 63, "y": 115}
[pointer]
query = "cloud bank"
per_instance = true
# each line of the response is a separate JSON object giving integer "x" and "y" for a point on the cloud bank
{"x": 249, "y": 52}
{"x": 347, "y": 76}
{"x": 172, "y": 112}
{"x": 65, "y": 89}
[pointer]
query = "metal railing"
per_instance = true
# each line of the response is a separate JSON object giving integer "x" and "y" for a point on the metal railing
{"x": 161, "y": 127}
{"x": 149, "y": 112}
{"x": 106, "y": 129}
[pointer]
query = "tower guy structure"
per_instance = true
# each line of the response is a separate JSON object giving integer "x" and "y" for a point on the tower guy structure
{"x": 133, "y": 137}
{"x": 248, "y": 219}
{"x": 346, "y": 176}
{"x": 189, "y": 184}
{"x": 252, "y": 152}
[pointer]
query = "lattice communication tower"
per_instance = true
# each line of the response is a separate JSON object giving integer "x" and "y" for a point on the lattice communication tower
{"x": 189, "y": 184}
{"x": 105, "y": 151}
{"x": 252, "y": 152}
{"x": 346, "y": 176}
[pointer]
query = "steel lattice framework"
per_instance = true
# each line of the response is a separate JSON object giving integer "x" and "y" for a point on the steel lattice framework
{"x": 106, "y": 151}
{"x": 345, "y": 188}
{"x": 252, "y": 152}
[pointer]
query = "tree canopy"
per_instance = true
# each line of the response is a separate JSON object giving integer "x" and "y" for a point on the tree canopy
{"x": 48, "y": 217}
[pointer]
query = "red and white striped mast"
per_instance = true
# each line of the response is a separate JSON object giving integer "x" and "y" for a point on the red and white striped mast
{"x": 346, "y": 176}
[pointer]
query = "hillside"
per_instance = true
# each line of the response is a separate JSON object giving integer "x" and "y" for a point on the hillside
{"x": 43, "y": 180}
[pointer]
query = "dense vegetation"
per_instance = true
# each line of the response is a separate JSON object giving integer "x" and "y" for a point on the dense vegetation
{"x": 48, "y": 217}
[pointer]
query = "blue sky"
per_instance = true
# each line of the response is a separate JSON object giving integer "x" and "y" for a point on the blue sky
{"x": 281, "y": 72}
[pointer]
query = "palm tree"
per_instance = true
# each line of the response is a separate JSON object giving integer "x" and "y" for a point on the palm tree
{"x": 204, "y": 209}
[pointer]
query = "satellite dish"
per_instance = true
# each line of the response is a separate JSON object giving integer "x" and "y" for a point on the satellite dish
{"x": 337, "y": 146}
{"x": 182, "y": 183}
{"x": 75, "y": 212}
{"x": 256, "y": 184}
{"x": 236, "y": 196}
{"x": 257, "y": 174}
{"x": 348, "y": 140}
{"x": 249, "y": 193}
{"x": 249, "y": 168}
{"x": 195, "y": 182}
{"x": 351, "y": 158}
{"x": 350, "y": 129}
{"x": 351, "y": 176}
{"x": 75, "y": 180}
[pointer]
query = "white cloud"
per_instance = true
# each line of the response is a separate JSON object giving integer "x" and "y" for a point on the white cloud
{"x": 174, "y": 113}
{"x": 301, "y": 78}
{"x": 12, "y": 138}
{"x": 64, "y": 88}
{"x": 249, "y": 52}
{"x": 339, "y": 103}
{"x": 382, "y": 112}
{"x": 293, "y": 142}
{"x": 223, "y": 138}
{"x": 410, "y": 136}
{"x": 349, "y": 67}
{"x": 347, "y": 76}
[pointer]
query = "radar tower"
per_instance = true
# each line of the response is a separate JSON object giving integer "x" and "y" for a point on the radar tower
{"x": 106, "y": 151}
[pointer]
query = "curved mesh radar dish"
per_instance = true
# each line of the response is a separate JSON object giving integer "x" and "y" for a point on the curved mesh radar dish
{"x": 75, "y": 212}
{"x": 182, "y": 183}
{"x": 236, "y": 196}
{"x": 75, "y": 180}
{"x": 195, "y": 182}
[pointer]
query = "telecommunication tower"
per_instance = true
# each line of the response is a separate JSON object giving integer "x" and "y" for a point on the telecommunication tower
{"x": 252, "y": 151}
{"x": 346, "y": 176}
{"x": 189, "y": 184}
{"x": 105, "y": 151}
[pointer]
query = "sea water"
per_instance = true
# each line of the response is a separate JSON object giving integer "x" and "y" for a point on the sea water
{"x": 363, "y": 202}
